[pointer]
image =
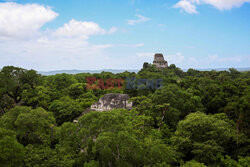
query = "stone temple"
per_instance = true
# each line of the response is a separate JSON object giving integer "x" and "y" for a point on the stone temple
{"x": 159, "y": 61}
{"x": 112, "y": 101}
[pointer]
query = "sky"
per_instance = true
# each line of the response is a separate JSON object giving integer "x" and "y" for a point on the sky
{"x": 50, "y": 35}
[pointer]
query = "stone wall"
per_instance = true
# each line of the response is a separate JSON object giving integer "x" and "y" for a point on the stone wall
{"x": 159, "y": 61}
{"x": 112, "y": 101}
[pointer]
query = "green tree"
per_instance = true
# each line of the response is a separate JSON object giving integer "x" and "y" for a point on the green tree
{"x": 202, "y": 137}
{"x": 31, "y": 126}
{"x": 13, "y": 81}
{"x": 65, "y": 109}
{"x": 11, "y": 152}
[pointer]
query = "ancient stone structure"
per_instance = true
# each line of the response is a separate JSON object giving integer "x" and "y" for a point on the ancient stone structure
{"x": 112, "y": 101}
{"x": 159, "y": 61}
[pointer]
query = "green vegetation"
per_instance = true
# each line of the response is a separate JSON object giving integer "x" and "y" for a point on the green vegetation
{"x": 196, "y": 119}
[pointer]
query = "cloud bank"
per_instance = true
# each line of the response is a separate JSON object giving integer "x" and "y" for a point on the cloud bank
{"x": 23, "y": 21}
{"x": 140, "y": 19}
{"x": 189, "y": 6}
{"x": 24, "y": 43}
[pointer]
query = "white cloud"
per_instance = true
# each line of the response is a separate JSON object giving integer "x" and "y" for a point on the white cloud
{"x": 77, "y": 28}
{"x": 26, "y": 20}
{"x": 23, "y": 43}
{"x": 225, "y": 4}
{"x": 216, "y": 58}
{"x": 175, "y": 58}
{"x": 17, "y": 20}
{"x": 138, "y": 45}
{"x": 50, "y": 53}
{"x": 213, "y": 57}
{"x": 193, "y": 60}
{"x": 131, "y": 45}
{"x": 189, "y": 6}
{"x": 140, "y": 19}
{"x": 112, "y": 30}
{"x": 82, "y": 29}
{"x": 213, "y": 61}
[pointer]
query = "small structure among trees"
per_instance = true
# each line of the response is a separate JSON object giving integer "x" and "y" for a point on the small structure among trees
{"x": 159, "y": 62}
{"x": 112, "y": 101}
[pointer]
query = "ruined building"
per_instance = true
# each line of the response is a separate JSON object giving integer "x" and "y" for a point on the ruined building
{"x": 112, "y": 101}
{"x": 159, "y": 61}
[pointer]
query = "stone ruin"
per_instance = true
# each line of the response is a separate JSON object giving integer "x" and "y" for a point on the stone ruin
{"x": 109, "y": 102}
{"x": 159, "y": 61}
{"x": 112, "y": 101}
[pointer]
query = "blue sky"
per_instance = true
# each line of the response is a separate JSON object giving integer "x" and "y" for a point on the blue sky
{"x": 122, "y": 34}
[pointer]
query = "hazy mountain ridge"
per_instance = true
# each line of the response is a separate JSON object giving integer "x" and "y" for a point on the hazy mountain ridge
{"x": 115, "y": 71}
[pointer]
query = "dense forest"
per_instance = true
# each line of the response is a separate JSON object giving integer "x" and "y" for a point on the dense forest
{"x": 197, "y": 119}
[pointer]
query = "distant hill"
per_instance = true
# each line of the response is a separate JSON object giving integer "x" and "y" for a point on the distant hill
{"x": 115, "y": 71}
{"x": 83, "y": 71}
{"x": 221, "y": 69}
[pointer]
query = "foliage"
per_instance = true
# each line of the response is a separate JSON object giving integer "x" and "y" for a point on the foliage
{"x": 198, "y": 118}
